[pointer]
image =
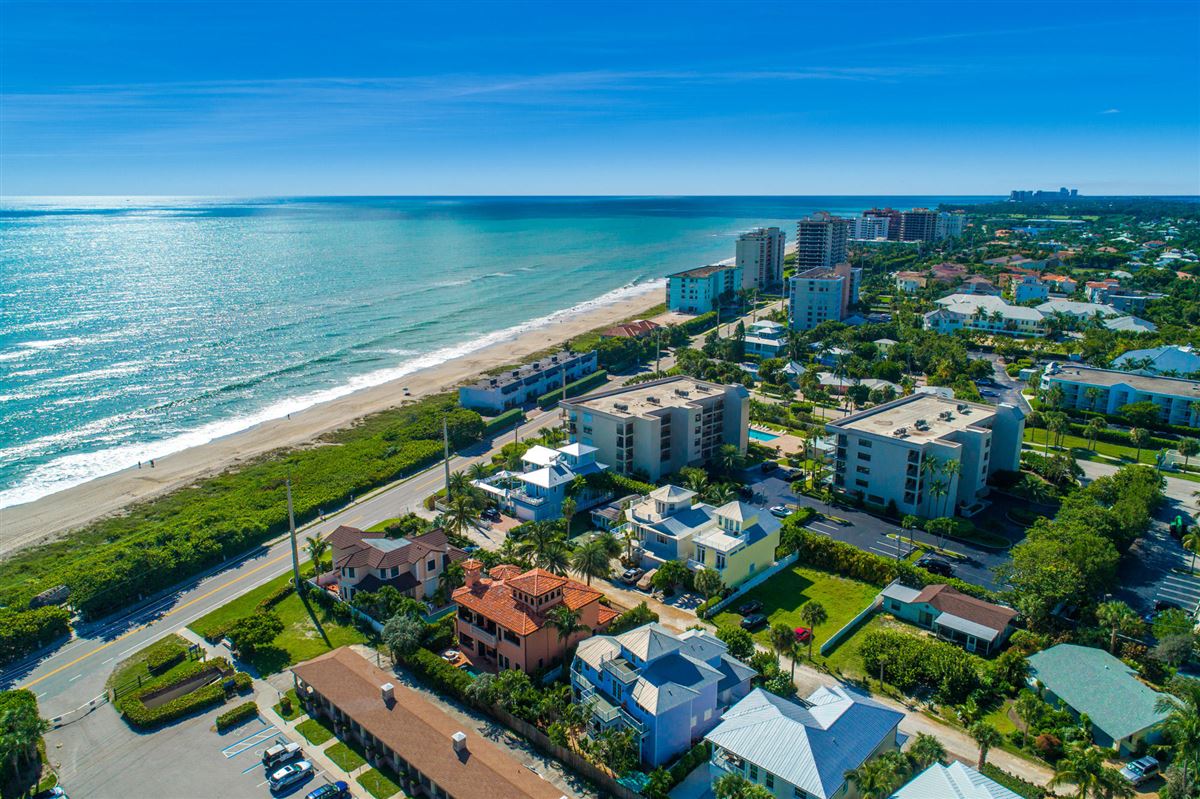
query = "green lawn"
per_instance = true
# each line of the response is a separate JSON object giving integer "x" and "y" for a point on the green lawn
{"x": 296, "y": 709}
{"x": 784, "y": 594}
{"x": 999, "y": 718}
{"x": 240, "y": 607}
{"x": 344, "y": 757}
{"x": 379, "y": 784}
{"x": 1037, "y": 437}
{"x": 314, "y": 731}
{"x": 134, "y": 666}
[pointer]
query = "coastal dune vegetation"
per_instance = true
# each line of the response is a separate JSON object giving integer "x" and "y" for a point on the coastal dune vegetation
{"x": 114, "y": 562}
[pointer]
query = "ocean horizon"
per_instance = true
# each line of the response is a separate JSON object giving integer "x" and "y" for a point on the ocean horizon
{"x": 132, "y": 328}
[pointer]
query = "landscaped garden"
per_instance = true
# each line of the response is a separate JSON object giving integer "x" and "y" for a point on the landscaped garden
{"x": 380, "y": 784}
{"x": 314, "y": 731}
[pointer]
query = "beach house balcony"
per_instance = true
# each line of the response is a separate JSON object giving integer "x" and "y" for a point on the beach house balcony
{"x": 606, "y": 714}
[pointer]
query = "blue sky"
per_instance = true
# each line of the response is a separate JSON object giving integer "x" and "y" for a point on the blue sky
{"x": 238, "y": 98}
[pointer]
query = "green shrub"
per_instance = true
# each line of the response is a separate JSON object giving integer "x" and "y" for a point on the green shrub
{"x": 139, "y": 715}
{"x": 580, "y": 386}
{"x": 634, "y": 617}
{"x": 231, "y": 718}
{"x": 243, "y": 682}
{"x": 23, "y": 632}
{"x": 909, "y": 661}
{"x": 1015, "y": 784}
{"x": 699, "y": 324}
{"x": 437, "y": 673}
{"x": 161, "y": 658}
{"x": 504, "y": 421}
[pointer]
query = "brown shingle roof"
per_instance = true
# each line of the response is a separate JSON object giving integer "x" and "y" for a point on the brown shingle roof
{"x": 493, "y": 598}
{"x": 965, "y": 606}
{"x": 350, "y": 548}
{"x": 419, "y": 731}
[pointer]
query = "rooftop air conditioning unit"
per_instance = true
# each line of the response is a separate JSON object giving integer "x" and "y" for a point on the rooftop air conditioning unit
{"x": 620, "y": 406}
{"x": 652, "y": 400}
{"x": 964, "y": 408}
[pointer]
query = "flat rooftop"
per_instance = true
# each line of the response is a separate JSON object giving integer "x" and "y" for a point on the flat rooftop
{"x": 703, "y": 271}
{"x": 550, "y": 364}
{"x": 639, "y": 400}
{"x": 941, "y": 417}
{"x": 1174, "y": 386}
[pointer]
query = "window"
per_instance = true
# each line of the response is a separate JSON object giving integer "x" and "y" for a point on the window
{"x": 861, "y": 483}
{"x": 720, "y": 560}
{"x": 431, "y": 565}
{"x": 865, "y": 443}
{"x": 864, "y": 456}
{"x": 769, "y": 780}
{"x": 863, "y": 469}
{"x": 753, "y": 772}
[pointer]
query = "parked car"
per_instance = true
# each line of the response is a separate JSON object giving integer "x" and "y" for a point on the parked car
{"x": 52, "y": 793}
{"x": 1164, "y": 604}
{"x": 334, "y": 790}
{"x": 749, "y": 608}
{"x": 782, "y": 511}
{"x": 632, "y": 575}
{"x": 803, "y": 634}
{"x": 1141, "y": 770}
{"x": 647, "y": 580}
{"x": 291, "y": 774}
{"x": 769, "y": 466}
{"x": 279, "y": 754}
{"x": 754, "y": 621}
{"x": 936, "y": 566}
{"x": 491, "y": 514}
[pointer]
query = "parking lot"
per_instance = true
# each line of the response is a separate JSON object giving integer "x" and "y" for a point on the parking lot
{"x": 1157, "y": 570}
{"x": 101, "y": 756}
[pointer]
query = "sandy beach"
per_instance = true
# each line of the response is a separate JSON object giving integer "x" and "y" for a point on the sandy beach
{"x": 51, "y": 516}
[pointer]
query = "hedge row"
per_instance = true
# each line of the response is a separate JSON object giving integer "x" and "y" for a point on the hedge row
{"x": 580, "y": 386}
{"x": 231, "y": 718}
{"x": 23, "y": 632}
{"x": 161, "y": 658}
{"x": 1015, "y": 784}
{"x": 438, "y": 673}
{"x": 213, "y": 634}
{"x": 139, "y": 715}
{"x": 634, "y": 617}
{"x": 699, "y": 324}
{"x": 504, "y": 421}
{"x": 117, "y": 561}
{"x": 1110, "y": 436}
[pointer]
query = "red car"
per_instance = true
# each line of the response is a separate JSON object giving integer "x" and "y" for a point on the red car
{"x": 803, "y": 634}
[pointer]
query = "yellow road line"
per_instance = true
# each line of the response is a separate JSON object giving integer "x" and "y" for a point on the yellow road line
{"x": 102, "y": 647}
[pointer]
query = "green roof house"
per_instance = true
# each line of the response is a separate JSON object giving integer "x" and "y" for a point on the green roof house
{"x": 1090, "y": 681}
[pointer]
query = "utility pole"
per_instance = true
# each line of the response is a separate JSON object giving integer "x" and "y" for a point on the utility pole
{"x": 657, "y": 348}
{"x": 292, "y": 531}
{"x": 446, "y": 456}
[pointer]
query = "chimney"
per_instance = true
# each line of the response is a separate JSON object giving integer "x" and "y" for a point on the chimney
{"x": 388, "y": 692}
{"x": 459, "y": 740}
{"x": 471, "y": 571}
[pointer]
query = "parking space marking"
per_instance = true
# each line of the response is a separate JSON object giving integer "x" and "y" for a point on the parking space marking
{"x": 249, "y": 742}
{"x": 818, "y": 532}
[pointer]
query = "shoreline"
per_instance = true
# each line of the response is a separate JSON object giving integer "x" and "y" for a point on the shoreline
{"x": 49, "y": 517}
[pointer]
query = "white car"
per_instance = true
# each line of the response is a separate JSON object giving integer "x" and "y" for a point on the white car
{"x": 291, "y": 774}
{"x": 782, "y": 511}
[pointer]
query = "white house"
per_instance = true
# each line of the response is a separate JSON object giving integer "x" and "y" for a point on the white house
{"x": 537, "y": 492}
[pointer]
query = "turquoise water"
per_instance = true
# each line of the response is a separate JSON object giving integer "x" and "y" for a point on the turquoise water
{"x": 132, "y": 328}
{"x": 759, "y": 435}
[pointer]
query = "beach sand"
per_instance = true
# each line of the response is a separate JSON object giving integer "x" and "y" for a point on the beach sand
{"x": 47, "y": 518}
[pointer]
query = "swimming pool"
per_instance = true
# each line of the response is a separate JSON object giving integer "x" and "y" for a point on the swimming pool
{"x": 759, "y": 435}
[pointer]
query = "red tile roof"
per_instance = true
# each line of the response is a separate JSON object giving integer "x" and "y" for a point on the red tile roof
{"x": 493, "y": 598}
{"x": 420, "y": 731}
{"x": 635, "y": 329}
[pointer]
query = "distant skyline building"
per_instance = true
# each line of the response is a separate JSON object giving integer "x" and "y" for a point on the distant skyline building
{"x": 760, "y": 257}
{"x": 891, "y": 215}
{"x": 1024, "y": 195}
{"x": 869, "y": 228}
{"x": 821, "y": 241}
{"x": 918, "y": 224}
{"x": 949, "y": 225}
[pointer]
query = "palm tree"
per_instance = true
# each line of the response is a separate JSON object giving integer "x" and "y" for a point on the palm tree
{"x": 783, "y": 639}
{"x": 1058, "y": 424}
{"x": 1191, "y": 543}
{"x": 462, "y": 514}
{"x": 566, "y": 622}
{"x": 708, "y": 582}
{"x": 926, "y": 750}
{"x": 1028, "y": 706}
{"x": 1187, "y": 448}
{"x": 555, "y": 558}
{"x": 1093, "y": 394}
{"x": 592, "y": 560}
{"x": 880, "y": 777}
{"x": 1095, "y": 427}
{"x": 317, "y": 547}
{"x": 951, "y": 469}
{"x": 457, "y": 484}
{"x": 720, "y": 493}
{"x": 735, "y": 786}
{"x": 1140, "y": 436}
{"x": 813, "y": 614}
{"x": 568, "y": 512}
{"x": 1082, "y": 766}
{"x": 697, "y": 481}
{"x": 23, "y": 728}
{"x": 727, "y": 458}
{"x": 478, "y": 470}
{"x": 543, "y": 545}
{"x": 1117, "y": 617}
{"x": 1182, "y": 725}
{"x": 986, "y": 736}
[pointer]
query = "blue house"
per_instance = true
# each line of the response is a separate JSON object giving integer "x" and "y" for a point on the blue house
{"x": 537, "y": 493}
{"x": 668, "y": 689}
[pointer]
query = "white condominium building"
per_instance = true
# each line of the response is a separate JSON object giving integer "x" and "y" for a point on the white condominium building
{"x": 949, "y": 225}
{"x": 821, "y": 241}
{"x": 898, "y": 451}
{"x": 986, "y": 313}
{"x": 869, "y": 228}
{"x": 1106, "y": 390}
{"x": 760, "y": 257}
{"x": 822, "y": 294}
{"x": 658, "y": 427}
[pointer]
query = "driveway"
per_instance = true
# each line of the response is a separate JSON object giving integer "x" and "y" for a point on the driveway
{"x": 876, "y": 535}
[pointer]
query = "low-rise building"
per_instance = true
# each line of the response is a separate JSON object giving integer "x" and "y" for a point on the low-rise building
{"x": 1089, "y": 681}
{"x": 700, "y": 290}
{"x": 407, "y": 734}
{"x": 955, "y": 781}
{"x": 639, "y": 328}
{"x": 1170, "y": 360}
{"x": 521, "y": 386}
{"x": 537, "y": 492}
{"x": 503, "y": 619}
{"x": 1081, "y": 311}
{"x": 1026, "y": 288}
{"x": 367, "y": 561}
{"x": 1086, "y": 388}
{"x": 802, "y": 750}
{"x": 822, "y": 294}
{"x": 1060, "y": 283}
{"x": 973, "y": 624}
{"x": 766, "y": 339}
{"x": 908, "y": 281}
{"x": 735, "y": 540}
{"x": 977, "y": 284}
{"x": 985, "y": 313}
{"x": 658, "y": 427}
{"x": 667, "y": 689}
{"x": 898, "y": 451}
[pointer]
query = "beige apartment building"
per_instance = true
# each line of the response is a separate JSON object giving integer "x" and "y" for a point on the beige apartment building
{"x": 898, "y": 451}
{"x": 656, "y": 428}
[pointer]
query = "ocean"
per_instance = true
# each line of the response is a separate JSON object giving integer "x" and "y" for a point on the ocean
{"x": 131, "y": 328}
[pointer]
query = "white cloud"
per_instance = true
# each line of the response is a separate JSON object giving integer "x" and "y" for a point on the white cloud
{"x": 1111, "y": 111}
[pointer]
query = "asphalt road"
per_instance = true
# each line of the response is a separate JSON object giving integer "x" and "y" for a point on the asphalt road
{"x": 70, "y": 676}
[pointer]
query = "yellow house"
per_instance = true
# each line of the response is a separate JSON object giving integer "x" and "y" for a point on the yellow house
{"x": 736, "y": 540}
